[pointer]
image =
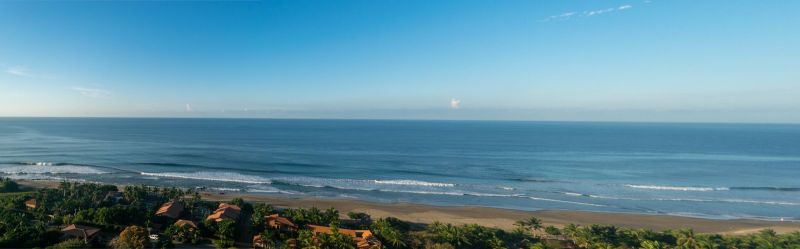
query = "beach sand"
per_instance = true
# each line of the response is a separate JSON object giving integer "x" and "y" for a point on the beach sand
{"x": 496, "y": 217}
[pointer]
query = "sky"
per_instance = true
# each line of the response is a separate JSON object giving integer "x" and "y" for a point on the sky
{"x": 640, "y": 60}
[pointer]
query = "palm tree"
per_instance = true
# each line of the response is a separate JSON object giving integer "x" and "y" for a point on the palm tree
{"x": 531, "y": 223}
{"x": 571, "y": 230}
{"x": 685, "y": 239}
{"x": 767, "y": 239}
{"x": 602, "y": 245}
{"x": 535, "y": 224}
{"x": 651, "y": 244}
{"x": 584, "y": 237}
{"x": 306, "y": 240}
{"x": 521, "y": 226}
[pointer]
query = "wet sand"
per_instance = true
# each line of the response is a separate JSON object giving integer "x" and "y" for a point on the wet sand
{"x": 497, "y": 217}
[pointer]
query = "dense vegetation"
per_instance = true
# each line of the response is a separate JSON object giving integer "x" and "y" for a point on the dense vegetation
{"x": 128, "y": 223}
{"x": 7, "y": 185}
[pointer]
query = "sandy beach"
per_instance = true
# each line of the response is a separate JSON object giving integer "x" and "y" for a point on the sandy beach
{"x": 500, "y": 218}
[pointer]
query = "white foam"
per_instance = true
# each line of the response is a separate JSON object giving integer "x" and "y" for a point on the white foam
{"x": 212, "y": 176}
{"x": 49, "y": 169}
{"x": 493, "y": 195}
{"x": 34, "y": 177}
{"x": 266, "y": 189}
{"x": 227, "y": 189}
{"x": 675, "y": 188}
{"x": 563, "y": 201}
{"x": 757, "y": 202}
{"x": 735, "y": 201}
{"x": 421, "y": 192}
{"x": 414, "y": 183}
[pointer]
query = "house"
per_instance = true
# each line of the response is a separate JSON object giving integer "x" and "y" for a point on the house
{"x": 225, "y": 211}
{"x": 364, "y": 238}
{"x": 258, "y": 242}
{"x": 280, "y": 223}
{"x": 80, "y": 231}
{"x": 182, "y": 223}
{"x": 30, "y": 204}
{"x": 170, "y": 209}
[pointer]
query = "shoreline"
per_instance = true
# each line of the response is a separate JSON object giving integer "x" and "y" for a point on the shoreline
{"x": 495, "y": 217}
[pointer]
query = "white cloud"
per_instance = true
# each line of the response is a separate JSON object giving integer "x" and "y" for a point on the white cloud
{"x": 560, "y": 17}
{"x": 455, "y": 103}
{"x": 92, "y": 92}
{"x": 23, "y": 71}
{"x": 189, "y": 108}
{"x": 597, "y": 12}
{"x": 586, "y": 13}
{"x": 19, "y": 71}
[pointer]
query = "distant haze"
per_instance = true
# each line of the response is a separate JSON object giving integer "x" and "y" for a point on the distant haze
{"x": 676, "y": 61}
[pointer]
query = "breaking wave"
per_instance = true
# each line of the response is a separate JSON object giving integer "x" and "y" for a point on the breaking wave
{"x": 767, "y": 188}
{"x": 706, "y": 189}
{"x": 212, "y": 176}
{"x": 414, "y": 183}
{"x": 738, "y": 201}
{"x": 676, "y": 188}
{"x": 50, "y": 168}
{"x": 563, "y": 201}
{"x": 227, "y": 189}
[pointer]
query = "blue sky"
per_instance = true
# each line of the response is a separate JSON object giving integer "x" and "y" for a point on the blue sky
{"x": 684, "y": 61}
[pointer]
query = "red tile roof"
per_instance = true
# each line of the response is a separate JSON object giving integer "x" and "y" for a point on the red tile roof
{"x": 276, "y": 221}
{"x": 363, "y": 238}
{"x": 80, "y": 231}
{"x": 181, "y": 223}
{"x": 170, "y": 209}
{"x": 30, "y": 203}
{"x": 225, "y": 211}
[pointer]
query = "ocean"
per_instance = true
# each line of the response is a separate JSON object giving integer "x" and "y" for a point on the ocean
{"x": 720, "y": 171}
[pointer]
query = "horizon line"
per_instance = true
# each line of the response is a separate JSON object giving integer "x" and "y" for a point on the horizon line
{"x": 411, "y": 119}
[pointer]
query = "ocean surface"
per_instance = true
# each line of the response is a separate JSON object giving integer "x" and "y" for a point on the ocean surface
{"x": 703, "y": 170}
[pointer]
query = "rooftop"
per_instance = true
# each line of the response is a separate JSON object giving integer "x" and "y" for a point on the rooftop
{"x": 170, "y": 209}
{"x": 80, "y": 230}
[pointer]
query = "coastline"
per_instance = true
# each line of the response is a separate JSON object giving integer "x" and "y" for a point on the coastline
{"x": 496, "y": 217}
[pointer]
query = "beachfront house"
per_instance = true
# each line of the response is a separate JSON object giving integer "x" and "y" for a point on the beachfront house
{"x": 259, "y": 242}
{"x": 182, "y": 223}
{"x": 170, "y": 209}
{"x": 225, "y": 211}
{"x": 276, "y": 222}
{"x": 364, "y": 238}
{"x": 30, "y": 204}
{"x": 86, "y": 233}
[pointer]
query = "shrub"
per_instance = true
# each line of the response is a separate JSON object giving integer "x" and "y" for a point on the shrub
{"x": 133, "y": 237}
{"x": 71, "y": 244}
{"x": 7, "y": 185}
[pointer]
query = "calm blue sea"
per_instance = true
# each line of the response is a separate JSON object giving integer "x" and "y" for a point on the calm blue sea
{"x": 705, "y": 170}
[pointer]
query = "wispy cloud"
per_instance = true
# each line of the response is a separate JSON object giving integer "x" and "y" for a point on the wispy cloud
{"x": 560, "y": 17}
{"x": 19, "y": 71}
{"x": 455, "y": 103}
{"x": 23, "y": 71}
{"x": 586, "y": 13}
{"x": 189, "y": 108}
{"x": 92, "y": 92}
{"x": 598, "y": 12}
